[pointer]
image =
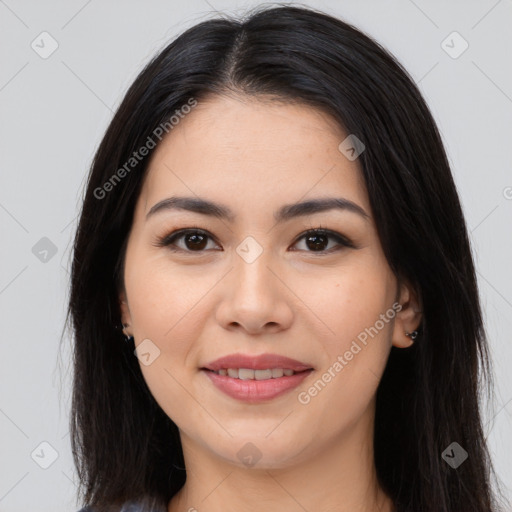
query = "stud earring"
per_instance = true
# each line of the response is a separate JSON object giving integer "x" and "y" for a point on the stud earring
{"x": 413, "y": 335}
{"x": 127, "y": 337}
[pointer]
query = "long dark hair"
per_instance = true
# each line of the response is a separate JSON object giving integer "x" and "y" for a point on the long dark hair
{"x": 124, "y": 446}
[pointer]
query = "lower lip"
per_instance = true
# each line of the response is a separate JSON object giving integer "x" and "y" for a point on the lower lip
{"x": 254, "y": 391}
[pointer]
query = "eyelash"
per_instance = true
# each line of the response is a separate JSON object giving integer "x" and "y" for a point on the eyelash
{"x": 168, "y": 240}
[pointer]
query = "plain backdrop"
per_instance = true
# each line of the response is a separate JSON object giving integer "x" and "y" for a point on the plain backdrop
{"x": 55, "y": 108}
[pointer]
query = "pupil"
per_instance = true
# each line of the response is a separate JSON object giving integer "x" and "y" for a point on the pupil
{"x": 316, "y": 245}
{"x": 198, "y": 241}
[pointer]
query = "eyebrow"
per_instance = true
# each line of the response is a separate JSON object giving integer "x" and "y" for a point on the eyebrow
{"x": 286, "y": 212}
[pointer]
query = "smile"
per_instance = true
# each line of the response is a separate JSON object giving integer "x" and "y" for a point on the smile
{"x": 255, "y": 386}
{"x": 249, "y": 374}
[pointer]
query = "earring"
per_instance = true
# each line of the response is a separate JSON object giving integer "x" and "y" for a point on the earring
{"x": 413, "y": 335}
{"x": 127, "y": 337}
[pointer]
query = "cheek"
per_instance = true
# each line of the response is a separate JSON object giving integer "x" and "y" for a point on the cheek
{"x": 165, "y": 306}
{"x": 357, "y": 342}
{"x": 349, "y": 301}
{"x": 164, "y": 297}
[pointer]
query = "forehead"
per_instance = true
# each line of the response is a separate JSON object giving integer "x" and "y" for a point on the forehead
{"x": 257, "y": 151}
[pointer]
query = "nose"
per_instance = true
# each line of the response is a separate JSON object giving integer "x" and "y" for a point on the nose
{"x": 255, "y": 298}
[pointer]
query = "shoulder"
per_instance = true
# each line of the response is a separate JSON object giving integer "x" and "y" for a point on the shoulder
{"x": 131, "y": 506}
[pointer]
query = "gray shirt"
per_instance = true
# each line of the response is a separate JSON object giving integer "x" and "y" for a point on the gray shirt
{"x": 127, "y": 507}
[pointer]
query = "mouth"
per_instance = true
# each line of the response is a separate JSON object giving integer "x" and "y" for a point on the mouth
{"x": 260, "y": 362}
{"x": 256, "y": 379}
{"x": 250, "y": 374}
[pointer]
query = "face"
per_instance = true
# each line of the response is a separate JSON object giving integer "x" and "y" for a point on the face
{"x": 260, "y": 280}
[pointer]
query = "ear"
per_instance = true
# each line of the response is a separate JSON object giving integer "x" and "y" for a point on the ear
{"x": 409, "y": 317}
{"x": 126, "y": 318}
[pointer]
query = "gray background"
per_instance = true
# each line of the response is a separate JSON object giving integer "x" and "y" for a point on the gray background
{"x": 54, "y": 112}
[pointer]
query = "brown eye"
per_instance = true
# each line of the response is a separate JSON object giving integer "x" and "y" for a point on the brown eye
{"x": 317, "y": 240}
{"x": 194, "y": 240}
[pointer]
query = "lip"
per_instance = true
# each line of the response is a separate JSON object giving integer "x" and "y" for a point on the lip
{"x": 260, "y": 362}
{"x": 256, "y": 391}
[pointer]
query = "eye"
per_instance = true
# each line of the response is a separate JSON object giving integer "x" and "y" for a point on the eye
{"x": 317, "y": 240}
{"x": 196, "y": 240}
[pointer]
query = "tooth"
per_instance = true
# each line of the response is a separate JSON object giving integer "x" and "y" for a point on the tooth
{"x": 249, "y": 374}
{"x": 262, "y": 374}
{"x": 245, "y": 373}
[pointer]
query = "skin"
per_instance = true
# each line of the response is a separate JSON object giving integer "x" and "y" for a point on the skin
{"x": 255, "y": 156}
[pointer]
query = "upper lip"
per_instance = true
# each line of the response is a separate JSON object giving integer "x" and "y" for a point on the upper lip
{"x": 260, "y": 362}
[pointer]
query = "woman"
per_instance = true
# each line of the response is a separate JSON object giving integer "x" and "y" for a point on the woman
{"x": 271, "y": 223}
